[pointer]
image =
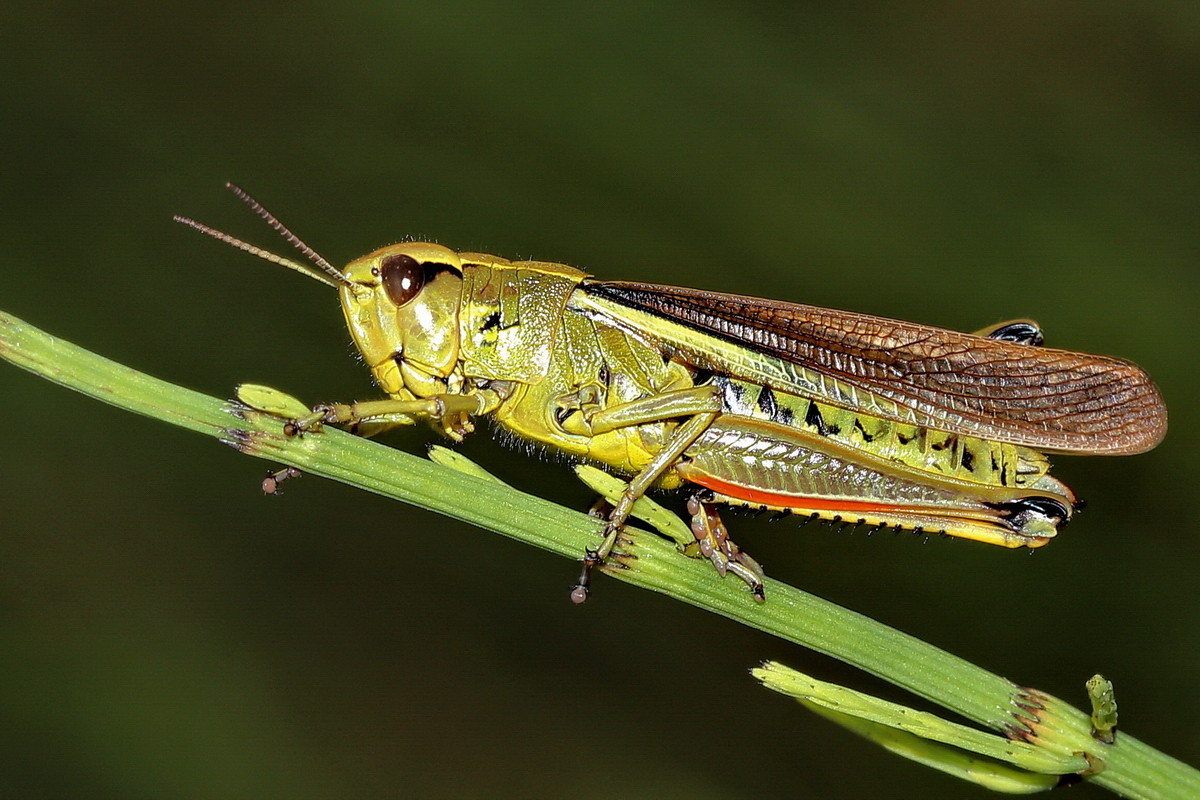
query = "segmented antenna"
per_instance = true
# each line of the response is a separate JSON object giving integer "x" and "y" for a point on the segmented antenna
{"x": 309, "y": 253}
{"x": 267, "y": 255}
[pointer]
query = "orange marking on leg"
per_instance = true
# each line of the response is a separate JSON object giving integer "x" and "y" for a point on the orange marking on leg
{"x": 758, "y": 497}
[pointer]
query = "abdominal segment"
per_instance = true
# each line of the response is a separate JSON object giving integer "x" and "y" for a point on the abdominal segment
{"x": 760, "y": 464}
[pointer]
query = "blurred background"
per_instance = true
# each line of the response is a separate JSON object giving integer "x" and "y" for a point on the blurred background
{"x": 167, "y": 631}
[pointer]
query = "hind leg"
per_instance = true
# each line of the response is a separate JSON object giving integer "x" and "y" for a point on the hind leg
{"x": 715, "y": 545}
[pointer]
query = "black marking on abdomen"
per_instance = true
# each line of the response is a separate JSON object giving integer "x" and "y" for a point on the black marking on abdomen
{"x": 866, "y": 437}
{"x": 944, "y": 443}
{"x": 733, "y": 392}
{"x": 813, "y": 417}
{"x": 767, "y": 404}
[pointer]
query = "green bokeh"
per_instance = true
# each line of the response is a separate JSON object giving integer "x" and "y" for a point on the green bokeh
{"x": 165, "y": 631}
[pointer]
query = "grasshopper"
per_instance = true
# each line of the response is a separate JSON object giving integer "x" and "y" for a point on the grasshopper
{"x": 777, "y": 406}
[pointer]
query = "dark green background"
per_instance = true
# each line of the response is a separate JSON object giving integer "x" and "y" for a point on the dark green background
{"x": 166, "y": 631}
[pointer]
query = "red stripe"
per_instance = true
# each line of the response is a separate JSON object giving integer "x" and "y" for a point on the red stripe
{"x": 757, "y": 497}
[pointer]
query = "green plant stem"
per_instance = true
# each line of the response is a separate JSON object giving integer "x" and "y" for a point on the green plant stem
{"x": 1132, "y": 768}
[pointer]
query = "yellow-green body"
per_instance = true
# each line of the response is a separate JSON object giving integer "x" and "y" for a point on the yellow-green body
{"x": 556, "y": 366}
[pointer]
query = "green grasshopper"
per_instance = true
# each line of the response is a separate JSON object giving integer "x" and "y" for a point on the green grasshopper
{"x": 776, "y": 406}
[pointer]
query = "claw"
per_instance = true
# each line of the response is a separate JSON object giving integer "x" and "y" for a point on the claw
{"x": 715, "y": 545}
{"x": 591, "y": 560}
{"x": 321, "y": 415}
{"x": 270, "y": 484}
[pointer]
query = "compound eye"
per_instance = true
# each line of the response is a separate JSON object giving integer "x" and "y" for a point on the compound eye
{"x": 402, "y": 278}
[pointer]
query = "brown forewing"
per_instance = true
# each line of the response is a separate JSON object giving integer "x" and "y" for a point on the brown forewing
{"x": 1035, "y": 396}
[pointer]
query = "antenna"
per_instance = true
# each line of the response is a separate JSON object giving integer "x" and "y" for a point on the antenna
{"x": 267, "y": 255}
{"x": 309, "y": 253}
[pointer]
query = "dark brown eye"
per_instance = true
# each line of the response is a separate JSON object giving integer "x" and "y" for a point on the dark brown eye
{"x": 402, "y": 278}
